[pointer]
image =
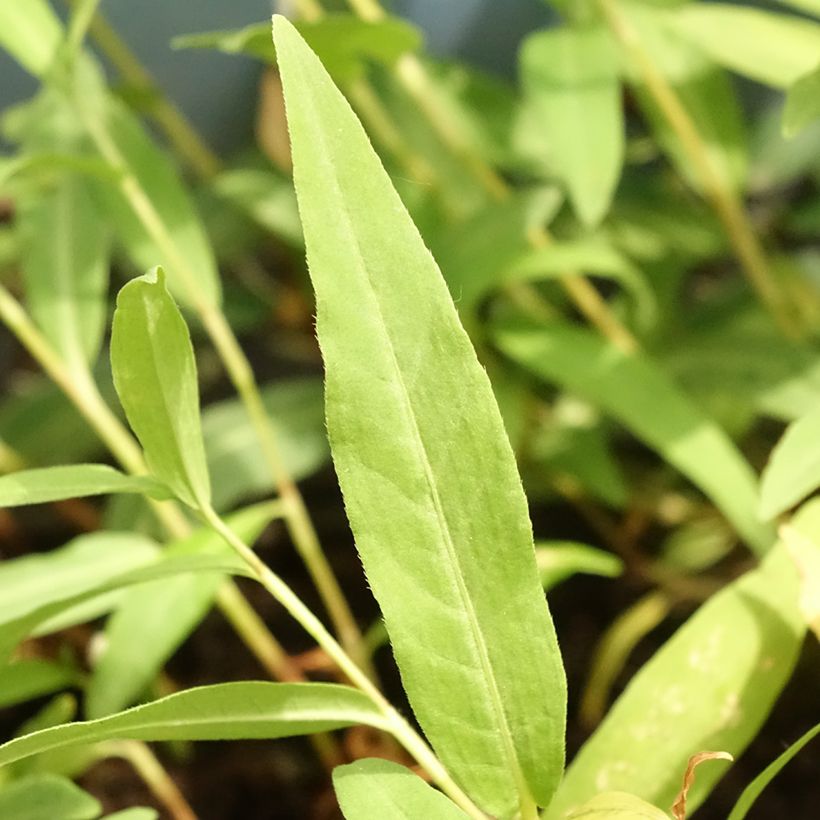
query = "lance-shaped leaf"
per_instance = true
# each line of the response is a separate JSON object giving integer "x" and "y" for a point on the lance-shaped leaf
{"x": 710, "y": 686}
{"x": 33, "y": 678}
{"x": 30, "y": 32}
{"x": 225, "y": 711}
{"x": 636, "y": 392}
{"x": 570, "y": 79}
{"x": 47, "y": 795}
{"x": 380, "y": 788}
{"x": 45, "y": 484}
{"x": 428, "y": 475}
{"x": 802, "y": 103}
{"x": 65, "y": 267}
{"x": 559, "y": 560}
{"x": 154, "y": 369}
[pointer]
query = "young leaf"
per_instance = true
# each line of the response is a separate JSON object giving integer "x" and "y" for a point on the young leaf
{"x": 72, "y": 481}
{"x": 31, "y": 33}
{"x": 46, "y": 795}
{"x": 428, "y": 475}
{"x": 380, "y": 788}
{"x": 154, "y": 619}
{"x": 225, "y": 711}
{"x": 559, "y": 560}
{"x": 755, "y": 788}
{"x": 64, "y": 247}
{"x": 617, "y": 806}
{"x": 570, "y": 82}
{"x": 710, "y": 686}
{"x": 793, "y": 471}
{"x": 27, "y": 679}
{"x": 154, "y": 369}
{"x": 802, "y": 103}
{"x": 776, "y": 49}
{"x": 633, "y": 390}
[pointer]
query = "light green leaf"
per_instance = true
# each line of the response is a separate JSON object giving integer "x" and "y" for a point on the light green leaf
{"x": 161, "y": 183}
{"x": 559, "y": 560}
{"x": 30, "y": 32}
{"x": 238, "y": 469}
{"x": 268, "y": 198}
{"x": 225, "y": 711}
{"x": 47, "y": 796}
{"x": 802, "y": 103}
{"x": 755, "y": 788}
{"x": 380, "y": 788}
{"x": 618, "y": 806}
{"x": 154, "y": 369}
{"x": 136, "y": 813}
{"x": 639, "y": 395}
{"x": 570, "y": 82}
{"x": 64, "y": 249}
{"x": 72, "y": 481}
{"x": 428, "y": 476}
{"x": 710, "y": 686}
{"x": 793, "y": 470}
{"x": 27, "y": 679}
{"x": 775, "y": 49}
{"x": 344, "y": 42}
{"x": 154, "y": 619}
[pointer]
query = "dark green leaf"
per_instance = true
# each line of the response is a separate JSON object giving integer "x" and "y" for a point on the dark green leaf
{"x": 428, "y": 475}
{"x": 154, "y": 369}
{"x": 226, "y": 711}
{"x": 380, "y": 788}
{"x": 72, "y": 481}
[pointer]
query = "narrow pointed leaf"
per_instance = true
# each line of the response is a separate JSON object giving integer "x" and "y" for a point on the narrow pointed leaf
{"x": 793, "y": 471}
{"x": 152, "y": 360}
{"x": 45, "y": 484}
{"x": 802, "y": 103}
{"x": 47, "y": 795}
{"x": 30, "y": 32}
{"x": 428, "y": 475}
{"x": 559, "y": 560}
{"x": 27, "y": 679}
{"x": 637, "y": 393}
{"x": 380, "y": 788}
{"x": 710, "y": 686}
{"x": 226, "y": 711}
{"x": 64, "y": 246}
{"x": 570, "y": 79}
{"x": 154, "y": 619}
{"x": 755, "y": 788}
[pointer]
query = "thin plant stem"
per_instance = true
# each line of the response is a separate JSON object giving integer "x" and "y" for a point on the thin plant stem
{"x": 725, "y": 202}
{"x": 413, "y": 77}
{"x": 185, "y": 139}
{"x": 239, "y": 371}
{"x": 413, "y": 743}
{"x": 153, "y": 774}
{"x": 83, "y": 392}
{"x": 83, "y": 12}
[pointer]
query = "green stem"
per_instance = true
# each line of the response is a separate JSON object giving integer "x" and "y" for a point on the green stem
{"x": 394, "y": 722}
{"x": 241, "y": 375}
{"x": 725, "y": 202}
{"x": 81, "y": 17}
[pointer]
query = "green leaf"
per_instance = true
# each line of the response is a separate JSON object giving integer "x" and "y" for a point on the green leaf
{"x": 428, "y": 475}
{"x": 570, "y": 82}
{"x": 710, "y": 686}
{"x": 618, "y": 806}
{"x": 136, "y": 813}
{"x": 237, "y": 467}
{"x": 154, "y": 369}
{"x": 793, "y": 470}
{"x": 161, "y": 183}
{"x": 154, "y": 619}
{"x": 31, "y": 33}
{"x": 775, "y": 49}
{"x": 755, "y": 788}
{"x": 28, "y": 679}
{"x": 72, "y": 481}
{"x": 639, "y": 395}
{"x": 559, "y": 560}
{"x": 802, "y": 103}
{"x": 380, "y": 788}
{"x": 46, "y": 795}
{"x": 225, "y": 711}
{"x": 64, "y": 248}
{"x": 343, "y": 42}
